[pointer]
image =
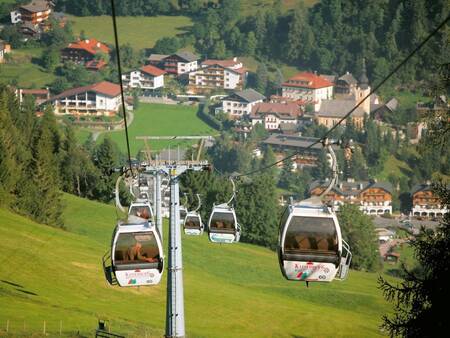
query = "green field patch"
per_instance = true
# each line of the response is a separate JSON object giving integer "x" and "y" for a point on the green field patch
{"x": 161, "y": 120}
{"x": 394, "y": 167}
{"x": 140, "y": 32}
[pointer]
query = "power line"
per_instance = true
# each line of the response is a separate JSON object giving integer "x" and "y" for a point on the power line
{"x": 116, "y": 40}
{"x": 324, "y": 137}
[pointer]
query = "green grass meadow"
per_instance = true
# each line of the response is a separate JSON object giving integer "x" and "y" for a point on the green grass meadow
{"x": 230, "y": 290}
{"x": 139, "y": 32}
{"x": 161, "y": 120}
{"x": 23, "y": 71}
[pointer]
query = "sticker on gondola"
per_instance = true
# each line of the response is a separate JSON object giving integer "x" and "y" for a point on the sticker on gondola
{"x": 310, "y": 271}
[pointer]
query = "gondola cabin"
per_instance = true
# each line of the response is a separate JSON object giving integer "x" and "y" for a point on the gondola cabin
{"x": 310, "y": 244}
{"x": 193, "y": 224}
{"x": 137, "y": 253}
{"x": 143, "y": 197}
{"x": 183, "y": 213}
{"x": 223, "y": 226}
{"x": 141, "y": 209}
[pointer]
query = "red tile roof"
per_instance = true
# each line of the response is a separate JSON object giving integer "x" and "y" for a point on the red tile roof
{"x": 105, "y": 88}
{"x": 152, "y": 70}
{"x": 95, "y": 64}
{"x": 34, "y": 91}
{"x": 307, "y": 80}
{"x": 91, "y": 46}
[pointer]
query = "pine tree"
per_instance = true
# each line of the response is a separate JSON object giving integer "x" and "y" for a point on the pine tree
{"x": 420, "y": 298}
{"x": 8, "y": 152}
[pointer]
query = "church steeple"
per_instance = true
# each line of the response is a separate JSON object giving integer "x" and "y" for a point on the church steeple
{"x": 363, "y": 80}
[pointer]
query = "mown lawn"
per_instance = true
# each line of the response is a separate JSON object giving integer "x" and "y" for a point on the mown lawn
{"x": 139, "y": 32}
{"x": 230, "y": 290}
{"x": 161, "y": 120}
{"x": 394, "y": 167}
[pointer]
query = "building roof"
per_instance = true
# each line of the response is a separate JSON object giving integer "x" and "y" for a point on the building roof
{"x": 348, "y": 78}
{"x": 157, "y": 57}
{"x": 421, "y": 187}
{"x": 105, "y": 88}
{"x": 36, "y": 6}
{"x": 338, "y": 108}
{"x": 231, "y": 63}
{"x": 95, "y": 64}
{"x": 152, "y": 70}
{"x": 329, "y": 77}
{"x": 352, "y": 188}
{"x": 247, "y": 95}
{"x": 392, "y": 104}
{"x": 307, "y": 80}
{"x": 282, "y": 110}
{"x": 35, "y": 91}
{"x": 299, "y": 142}
{"x": 187, "y": 56}
{"x": 92, "y": 46}
{"x": 28, "y": 25}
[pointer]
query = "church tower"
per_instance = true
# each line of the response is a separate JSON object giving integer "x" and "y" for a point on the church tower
{"x": 363, "y": 89}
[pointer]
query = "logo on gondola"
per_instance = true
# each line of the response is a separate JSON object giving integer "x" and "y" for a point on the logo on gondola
{"x": 132, "y": 281}
{"x": 137, "y": 270}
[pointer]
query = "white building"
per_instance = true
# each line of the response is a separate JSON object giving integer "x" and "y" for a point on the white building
{"x": 272, "y": 115}
{"x": 241, "y": 103}
{"x": 102, "y": 98}
{"x": 177, "y": 64}
{"x": 308, "y": 87}
{"x": 147, "y": 77}
{"x": 213, "y": 74}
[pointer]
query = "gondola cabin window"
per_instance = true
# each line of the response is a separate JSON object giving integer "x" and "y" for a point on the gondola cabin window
{"x": 142, "y": 211}
{"x": 222, "y": 221}
{"x": 192, "y": 222}
{"x": 311, "y": 234}
{"x": 136, "y": 248}
{"x": 182, "y": 214}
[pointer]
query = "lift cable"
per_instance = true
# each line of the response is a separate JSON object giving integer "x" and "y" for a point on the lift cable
{"x": 324, "y": 137}
{"x": 116, "y": 41}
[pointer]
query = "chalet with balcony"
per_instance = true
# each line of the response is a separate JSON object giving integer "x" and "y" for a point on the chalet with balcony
{"x": 373, "y": 198}
{"x": 35, "y": 12}
{"x": 271, "y": 115}
{"x": 241, "y": 103}
{"x": 215, "y": 74}
{"x": 425, "y": 202}
{"x": 308, "y": 87}
{"x": 99, "y": 99}
{"x": 85, "y": 52}
{"x": 176, "y": 64}
{"x": 345, "y": 84}
{"x": 147, "y": 78}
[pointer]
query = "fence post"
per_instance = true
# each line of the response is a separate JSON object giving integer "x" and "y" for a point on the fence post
{"x": 60, "y": 327}
{"x": 45, "y": 324}
{"x": 7, "y": 325}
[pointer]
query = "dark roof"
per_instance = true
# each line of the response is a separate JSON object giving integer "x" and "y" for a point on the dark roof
{"x": 188, "y": 56}
{"x": 348, "y": 78}
{"x": 36, "y": 6}
{"x": 338, "y": 108}
{"x": 289, "y": 111}
{"x": 392, "y": 104}
{"x": 247, "y": 95}
{"x": 288, "y": 126}
{"x": 353, "y": 188}
{"x": 421, "y": 187}
{"x": 299, "y": 142}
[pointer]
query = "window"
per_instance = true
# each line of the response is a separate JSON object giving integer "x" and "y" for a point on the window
{"x": 223, "y": 220}
{"x": 136, "y": 247}
{"x": 142, "y": 211}
{"x": 307, "y": 234}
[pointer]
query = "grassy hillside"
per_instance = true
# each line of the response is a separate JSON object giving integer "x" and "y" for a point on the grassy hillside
{"x": 27, "y": 73}
{"x": 161, "y": 120}
{"x": 230, "y": 290}
{"x": 251, "y": 6}
{"x": 140, "y": 32}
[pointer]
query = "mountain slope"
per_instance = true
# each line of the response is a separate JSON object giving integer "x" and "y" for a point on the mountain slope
{"x": 230, "y": 290}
